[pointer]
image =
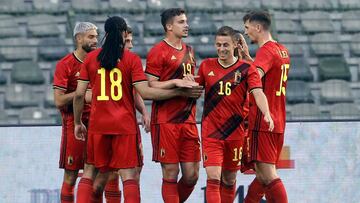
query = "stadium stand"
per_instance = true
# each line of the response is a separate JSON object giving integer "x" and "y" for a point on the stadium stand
{"x": 323, "y": 38}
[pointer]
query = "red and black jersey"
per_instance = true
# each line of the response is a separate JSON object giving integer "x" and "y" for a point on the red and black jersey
{"x": 273, "y": 59}
{"x": 165, "y": 63}
{"x": 65, "y": 78}
{"x": 112, "y": 105}
{"x": 226, "y": 97}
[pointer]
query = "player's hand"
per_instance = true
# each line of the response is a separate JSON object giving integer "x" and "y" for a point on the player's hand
{"x": 269, "y": 121}
{"x": 194, "y": 92}
{"x": 145, "y": 122}
{"x": 185, "y": 83}
{"x": 80, "y": 132}
{"x": 190, "y": 77}
{"x": 243, "y": 47}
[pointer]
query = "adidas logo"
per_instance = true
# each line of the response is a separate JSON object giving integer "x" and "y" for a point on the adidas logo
{"x": 173, "y": 57}
{"x": 211, "y": 73}
{"x": 77, "y": 74}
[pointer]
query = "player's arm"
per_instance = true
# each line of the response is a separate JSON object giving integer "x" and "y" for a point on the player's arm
{"x": 169, "y": 84}
{"x": 88, "y": 96}
{"x": 152, "y": 93}
{"x": 61, "y": 98}
{"x": 140, "y": 106}
{"x": 78, "y": 105}
{"x": 262, "y": 103}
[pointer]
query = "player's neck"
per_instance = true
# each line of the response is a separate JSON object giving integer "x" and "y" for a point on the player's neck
{"x": 173, "y": 41}
{"x": 227, "y": 62}
{"x": 80, "y": 54}
{"x": 266, "y": 37}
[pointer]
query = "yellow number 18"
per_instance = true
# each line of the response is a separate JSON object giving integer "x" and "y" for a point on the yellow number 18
{"x": 115, "y": 83}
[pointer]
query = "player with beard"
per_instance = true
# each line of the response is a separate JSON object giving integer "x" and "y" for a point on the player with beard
{"x": 72, "y": 151}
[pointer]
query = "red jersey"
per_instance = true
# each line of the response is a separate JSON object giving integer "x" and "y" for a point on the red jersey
{"x": 274, "y": 60}
{"x": 112, "y": 104}
{"x": 165, "y": 63}
{"x": 226, "y": 97}
{"x": 65, "y": 78}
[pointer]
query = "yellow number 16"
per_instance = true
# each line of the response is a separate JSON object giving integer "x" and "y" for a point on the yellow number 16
{"x": 115, "y": 83}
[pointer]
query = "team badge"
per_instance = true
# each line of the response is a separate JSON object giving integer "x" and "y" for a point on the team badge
{"x": 162, "y": 152}
{"x": 70, "y": 160}
{"x": 237, "y": 77}
{"x": 173, "y": 57}
{"x": 211, "y": 73}
{"x": 205, "y": 157}
{"x": 77, "y": 74}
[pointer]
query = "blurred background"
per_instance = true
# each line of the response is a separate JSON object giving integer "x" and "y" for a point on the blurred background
{"x": 323, "y": 38}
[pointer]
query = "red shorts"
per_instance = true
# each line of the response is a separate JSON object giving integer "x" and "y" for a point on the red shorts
{"x": 72, "y": 151}
{"x": 262, "y": 147}
{"x": 109, "y": 152}
{"x": 174, "y": 143}
{"x": 224, "y": 153}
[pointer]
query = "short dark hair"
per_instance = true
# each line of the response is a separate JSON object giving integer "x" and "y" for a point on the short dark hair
{"x": 129, "y": 30}
{"x": 168, "y": 15}
{"x": 226, "y": 31}
{"x": 262, "y": 17}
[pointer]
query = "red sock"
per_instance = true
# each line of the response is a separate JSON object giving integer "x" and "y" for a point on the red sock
{"x": 84, "y": 190}
{"x": 213, "y": 191}
{"x": 184, "y": 190}
{"x": 112, "y": 191}
{"x": 227, "y": 193}
{"x": 255, "y": 192}
{"x": 169, "y": 191}
{"x": 275, "y": 192}
{"x": 131, "y": 191}
{"x": 67, "y": 193}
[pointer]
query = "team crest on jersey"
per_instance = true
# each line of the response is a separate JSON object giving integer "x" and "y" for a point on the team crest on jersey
{"x": 162, "y": 152}
{"x": 173, "y": 57}
{"x": 77, "y": 74}
{"x": 205, "y": 157}
{"x": 237, "y": 77}
{"x": 70, "y": 160}
{"x": 211, "y": 73}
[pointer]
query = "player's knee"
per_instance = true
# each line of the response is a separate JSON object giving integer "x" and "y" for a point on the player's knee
{"x": 192, "y": 178}
{"x": 230, "y": 180}
{"x": 70, "y": 177}
{"x": 170, "y": 171}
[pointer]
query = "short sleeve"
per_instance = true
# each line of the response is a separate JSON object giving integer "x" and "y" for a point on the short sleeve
{"x": 263, "y": 60}
{"x": 201, "y": 79}
{"x": 154, "y": 63}
{"x": 253, "y": 79}
{"x": 137, "y": 74}
{"x": 61, "y": 76}
{"x": 84, "y": 74}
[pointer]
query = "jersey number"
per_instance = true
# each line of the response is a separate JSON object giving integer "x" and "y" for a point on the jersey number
{"x": 284, "y": 71}
{"x": 225, "y": 89}
{"x": 187, "y": 68}
{"x": 115, "y": 84}
{"x": 237, "y": 154}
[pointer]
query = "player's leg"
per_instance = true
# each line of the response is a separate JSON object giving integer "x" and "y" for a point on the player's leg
{"x": 71, "y": 160}
{"x": 112, "y": 190}
{"x": 228, "y": 186}
{"x": 189, "y": 160}
{"x": 213, "y": 184}
{"x": 169, "y": 188}
{"x": 126, "y": 157}
{"x": 165, "y": 143}
{"x": 86, "y": 182}
{"x": 188, "y": 180}
{"x": 67, "y": 188}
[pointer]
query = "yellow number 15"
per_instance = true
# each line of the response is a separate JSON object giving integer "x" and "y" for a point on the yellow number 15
{"x": 115, "y": 84}
{"x": 284, "y": 71}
